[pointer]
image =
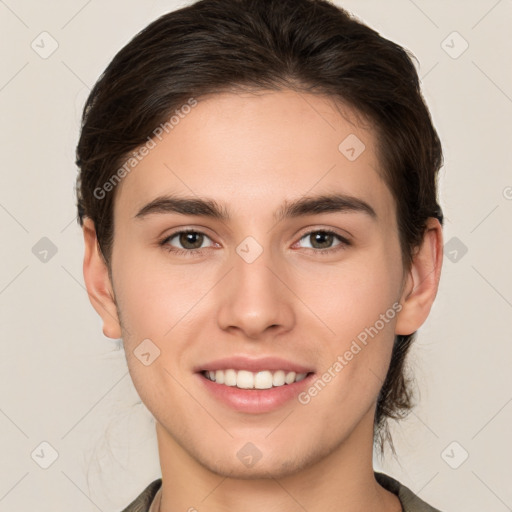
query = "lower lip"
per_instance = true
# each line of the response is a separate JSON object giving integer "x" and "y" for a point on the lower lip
{"x": 255, "y": 401}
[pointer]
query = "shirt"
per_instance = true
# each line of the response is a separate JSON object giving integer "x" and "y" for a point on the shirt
{"x": 149, "y": 499}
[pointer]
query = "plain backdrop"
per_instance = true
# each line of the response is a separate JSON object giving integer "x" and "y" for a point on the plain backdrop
{"x": 74, "y": 434}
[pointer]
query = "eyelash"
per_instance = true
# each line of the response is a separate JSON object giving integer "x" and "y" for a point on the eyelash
{"x": 344, "y": 243}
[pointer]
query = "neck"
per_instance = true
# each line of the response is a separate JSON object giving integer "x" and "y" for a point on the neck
{"x": 340, "y": 480}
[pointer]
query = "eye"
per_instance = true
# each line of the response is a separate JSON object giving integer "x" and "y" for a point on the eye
{"x": 324, "y": 240}
{"x": 186, "y": 241}
{"x": 190, "y": 242}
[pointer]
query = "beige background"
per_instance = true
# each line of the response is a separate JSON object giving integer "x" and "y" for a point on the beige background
{"x": 64, "y": 383}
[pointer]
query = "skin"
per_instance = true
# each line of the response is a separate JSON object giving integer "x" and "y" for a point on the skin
{"x": 251, "y": 153}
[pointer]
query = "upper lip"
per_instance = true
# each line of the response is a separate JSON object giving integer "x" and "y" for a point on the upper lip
{"x": 253, "y": 365}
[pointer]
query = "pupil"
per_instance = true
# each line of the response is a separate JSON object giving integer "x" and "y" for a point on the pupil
{"x": 191, "y": 240}
{"x": 322, "y": 239}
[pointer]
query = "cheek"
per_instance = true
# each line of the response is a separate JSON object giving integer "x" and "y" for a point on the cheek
{"x": 351, "y": 296}
{"x": 157, "y": 303}
{"x": 154, "y": 297}
{"x": 360, "y": 309}
{"x": 357, "y": 302}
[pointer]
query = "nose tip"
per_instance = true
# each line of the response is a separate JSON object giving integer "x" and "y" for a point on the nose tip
{"x": 253, "y": 300}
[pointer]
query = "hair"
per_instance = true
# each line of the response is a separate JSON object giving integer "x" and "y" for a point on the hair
{"x": 310, "y": 46}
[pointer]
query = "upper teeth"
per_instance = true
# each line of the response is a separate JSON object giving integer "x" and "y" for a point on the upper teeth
{"x": 253, "y": 380}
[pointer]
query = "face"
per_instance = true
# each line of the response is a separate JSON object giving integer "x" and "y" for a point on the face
{"x": 285, "y": 257}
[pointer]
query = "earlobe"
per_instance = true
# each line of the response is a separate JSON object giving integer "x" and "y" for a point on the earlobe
{"x": 98, "y": 284}
{"x": 422, "y": 281}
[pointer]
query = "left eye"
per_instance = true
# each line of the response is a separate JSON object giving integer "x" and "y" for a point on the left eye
{"x": 323, "y": 240}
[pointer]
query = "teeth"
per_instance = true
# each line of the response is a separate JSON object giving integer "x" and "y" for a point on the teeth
{"x": 244, "y": 379}
{"x": 278, "y": 378}
{"x": 263, "y": 380}
{"x": 230, "y": 378}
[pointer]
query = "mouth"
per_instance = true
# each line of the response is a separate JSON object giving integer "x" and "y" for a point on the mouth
{"x": 254, "y": 392}
{"x": 244, "y": 379}
{"x": 253, "y": 385}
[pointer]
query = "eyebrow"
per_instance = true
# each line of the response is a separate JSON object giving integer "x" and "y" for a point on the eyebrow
{"x": 309, "y": 205}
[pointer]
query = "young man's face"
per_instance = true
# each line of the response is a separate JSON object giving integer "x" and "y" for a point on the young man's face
{"x": 262, "y": 282}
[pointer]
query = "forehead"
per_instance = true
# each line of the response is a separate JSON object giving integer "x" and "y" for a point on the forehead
{"x": 251, "y": 151}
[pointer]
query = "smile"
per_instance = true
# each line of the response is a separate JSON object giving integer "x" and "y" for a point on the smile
{"x": 244, "y": 379}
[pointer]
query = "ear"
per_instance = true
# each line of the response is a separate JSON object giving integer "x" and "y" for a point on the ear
{"x": 98, "y": 284}
{"x": 422, "y": 281}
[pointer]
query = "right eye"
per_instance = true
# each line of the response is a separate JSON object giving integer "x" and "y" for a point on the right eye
{"x": 186, "y": 242}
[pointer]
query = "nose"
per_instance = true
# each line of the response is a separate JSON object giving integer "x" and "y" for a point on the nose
{"x": 254, "y": 299}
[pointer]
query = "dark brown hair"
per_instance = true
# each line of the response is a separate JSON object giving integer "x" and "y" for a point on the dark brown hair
{"x": 308, "y": 46}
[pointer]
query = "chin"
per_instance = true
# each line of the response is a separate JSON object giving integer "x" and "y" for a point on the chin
{"x": 258, "y": 472}
{"x": 276, "y": 465}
